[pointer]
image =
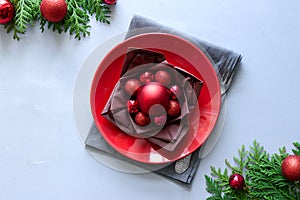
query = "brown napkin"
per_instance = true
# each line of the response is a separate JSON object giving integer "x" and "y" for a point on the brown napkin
{"x": 168, "y": 137}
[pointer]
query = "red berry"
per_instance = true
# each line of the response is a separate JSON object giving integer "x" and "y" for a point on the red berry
{"x": 132, "y": 106}
{"x": 131, "y": 85}
{"x": 7, "y": 11}
{"x": 290, "y": 167}
{"x": 173, "y": 108}
{"x": 141, "y": 119}
{"x": 236, "y": 181}
{"x": 146, "y": 77}
{"x": 110, "y": 2}
{"x": 163, "y": 77}
{"x": 54, "y": 10}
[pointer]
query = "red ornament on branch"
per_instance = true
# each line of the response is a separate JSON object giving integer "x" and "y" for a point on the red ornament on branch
{"x": 7, "y": 11}
{"x": 110, "y": 2}
{"x": 236, "y": 181}
{"x": 54, "y": 10}
{"x": 290, "y": 167}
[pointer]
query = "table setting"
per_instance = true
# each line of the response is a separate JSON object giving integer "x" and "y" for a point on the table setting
{"x": 132, "y": 103}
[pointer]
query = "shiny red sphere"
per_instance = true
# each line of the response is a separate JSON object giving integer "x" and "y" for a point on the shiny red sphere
{"x": 290, "y": 167}
{"x": 131, "y": 85}
{"x": 236, "y": 181}
{"x": 151, "y": 94}
{"x": 54, "y": 10}
{"x": 132, "y": 106}
{"x": 163, "y": 77}
{"x": 173, "y": 108}
{"x": 146, "y": 77}
{"x": 7, "y": 11}
{"x": 175, "y": 92}
{"x": 141, "y": 119}
{"x": 110, "y": 2}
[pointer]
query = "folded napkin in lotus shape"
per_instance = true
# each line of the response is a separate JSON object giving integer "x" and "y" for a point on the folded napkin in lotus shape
{"x": 170, "y": 135}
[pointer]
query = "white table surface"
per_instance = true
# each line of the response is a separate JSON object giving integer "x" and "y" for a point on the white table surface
{"x": 41, "y": 154}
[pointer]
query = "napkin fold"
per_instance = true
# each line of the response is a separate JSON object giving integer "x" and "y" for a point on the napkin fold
{"x": 170, "y": 135}
{"x": 222, "y": 58}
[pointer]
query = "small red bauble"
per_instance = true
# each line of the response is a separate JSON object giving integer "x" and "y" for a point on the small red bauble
{"x": 110, "y": 2}
{"x": 141, "y": 119}
{"x": 132, "y": 85}
{"x": 132, "y": 106}
{"x": 163, "y": 77}
{"x": 160, "y": 120}
{"x": 175, "y": 92}
{"x": 54, "y": 10}
{"x": 7, "y": 11}
{"x": 236, "y": 181}
{"x": 151, "y": 94}
{"x": 146, "y": 77}
{"x": 173, "y": 108}
{"x": 290, "y": 167}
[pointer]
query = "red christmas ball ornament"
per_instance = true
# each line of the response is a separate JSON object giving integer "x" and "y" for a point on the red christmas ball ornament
{"x": 132, "y": 106}
{"x": 54, "y": 10}
{"x": 160, "y": 120}
{"x": 290, "y": 167}
{"x": 110, "y": 2}
{"x": 163, "y": 77}
{"x": 146, "y": 77}
{"x": 151, "y": 94}
{"x": 132, "y": 85}
{"x": 141, "y": 119}
{"x": 173, "y": 108}
{"x": 7, "y": 11}
{"x": 236, "y": 181}
{"x": 175, "y": 92}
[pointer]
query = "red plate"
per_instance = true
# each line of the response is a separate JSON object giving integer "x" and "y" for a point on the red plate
{"x": 178, "y": 52}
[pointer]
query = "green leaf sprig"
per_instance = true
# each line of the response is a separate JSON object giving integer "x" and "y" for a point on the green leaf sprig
{"x": 76, "y": 22}
{"x": 262, "y": 172}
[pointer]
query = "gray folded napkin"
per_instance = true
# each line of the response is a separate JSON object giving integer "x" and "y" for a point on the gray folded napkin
{"x": 223, "y": 59}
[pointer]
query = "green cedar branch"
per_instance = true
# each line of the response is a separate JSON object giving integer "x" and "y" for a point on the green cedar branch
{"x": 76, "y": 22}
{"x": 262, "y": 172}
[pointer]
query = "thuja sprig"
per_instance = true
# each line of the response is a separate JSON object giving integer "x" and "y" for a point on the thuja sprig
{"x": 26, "y": 13}
{"x": 76, "y": 22}
{"x": 262, "y": 172}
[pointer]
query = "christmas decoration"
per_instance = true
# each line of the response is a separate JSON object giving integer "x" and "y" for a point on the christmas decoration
{"x": 7, "y": 11}
{"x": 146, "y": 77}
{"x": 141, "y": 119}
{"x": 54, "y": 10}
{"x": 163, "y": 77}
{"x": 176, "y": 92}
{"x": 291, "y": 167}
{"x": 110, "y": 2}
{"x": 151, "y": 94}
{"x": 131, "y": 85}
{"x": 173, "y": 108}
{"x": 75, "y": 22}
{"x": 263, "y": 176}
{"x": 132, "y": 106}
{"x": 236, "y": 181}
